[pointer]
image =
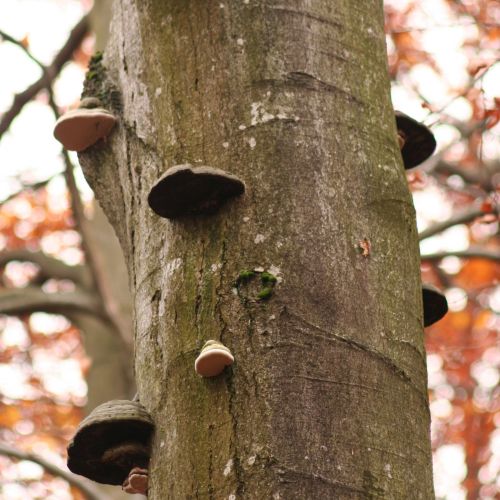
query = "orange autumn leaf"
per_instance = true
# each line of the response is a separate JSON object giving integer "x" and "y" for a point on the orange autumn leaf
{"x": 25, "y": 42}
{"x": 9, "y": 416}
{"x": 477, "y": 273}
{"x": 487, "y": 206}
{"x": 492, "y": 116}
{"x": 459, "y": 319}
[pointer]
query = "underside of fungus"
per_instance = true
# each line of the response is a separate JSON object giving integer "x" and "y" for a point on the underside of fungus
{"x": 214, "y": 357}
{"x": 435, "y": 304}
{"x": 186, "y": 190}
{"x": 79, "y": 129}
{"x": 416, "y": 141}
{"x": 111, "y": 441}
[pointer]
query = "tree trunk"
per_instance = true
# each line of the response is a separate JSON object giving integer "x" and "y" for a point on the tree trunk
{"x": 327, "y": 397}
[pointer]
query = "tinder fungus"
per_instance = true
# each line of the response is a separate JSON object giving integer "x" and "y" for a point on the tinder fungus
{"x": 80, "y": 128}
{"x": 187, "y": 190}
{"x": 214, "y": 357}
{"x": 136, "y": 481}
{"x": 112, "y": 441}
{"x": 435, "y": 304}
{"x": 416, "y": 141}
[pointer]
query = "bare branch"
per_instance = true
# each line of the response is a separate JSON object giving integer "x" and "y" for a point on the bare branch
{"x": 49, "y": 266}
{"x": 23, "y": 47}
{"x": 466, "y": 131}
{"x": 460, "y": 218}
{"x": 32, "y": 299}
{"x": 472, "y": 81}
{"x": 481, "y": 176}
{"x": 91, "y": 248}
{"x": 45, "y": 81}
{"x": 24, "y": 186}
{"x": 83, "y": 485}
{"x": 472, "y": 253}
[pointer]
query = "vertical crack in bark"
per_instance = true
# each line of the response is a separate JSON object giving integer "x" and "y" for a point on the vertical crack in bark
{"x": 219, "y": 292}
{"x": 210, "y": 463}
{"x": 238, "y": 469}
{"x": 132, "y": 208}
{"x": 199, "y": 292}
{"x": 196, "y": 82}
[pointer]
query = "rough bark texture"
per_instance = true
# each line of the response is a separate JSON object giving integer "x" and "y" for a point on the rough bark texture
{"x": 327, "y": 397}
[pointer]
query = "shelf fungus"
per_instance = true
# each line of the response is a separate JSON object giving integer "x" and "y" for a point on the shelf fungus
{"x": 416, "y": 141}
{"x": 112, "y": 445}
{"x": 80, "y": 128}
{"x": 435, "y": 304}
{"x": 213, "y": 358}
{"x": 188, "y": 190}
{"x": 136, "y": 481}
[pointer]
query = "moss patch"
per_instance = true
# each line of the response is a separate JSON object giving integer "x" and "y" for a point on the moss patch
{"x": 267, "y": 283}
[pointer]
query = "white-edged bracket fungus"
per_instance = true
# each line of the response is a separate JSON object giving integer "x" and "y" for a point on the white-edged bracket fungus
{"x": 213, "y": 358}
{"x": 80, "y": 128}
{"x": 188, "y": 190}
{"x": 416, "y": 141}
{"x": 435, "y": 304}
{"x": 111, "y": 442}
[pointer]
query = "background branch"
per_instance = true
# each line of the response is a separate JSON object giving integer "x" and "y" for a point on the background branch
{"x": 49, "y": 266}
{"x": 460, "y": 218}
{"x": 482, "y": 176}
{"x": 84, "y": 486}
{"x": 45, "y": 81}
{"x": 23, "y": 47}
{"x": 27, "y": 186}
{"x": 32, "y": 299}
{"x": 473, "y": 253}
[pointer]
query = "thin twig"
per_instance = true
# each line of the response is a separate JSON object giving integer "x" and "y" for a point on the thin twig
{"x": 84, "y": 486}
{"x": 481, "y": 175}
{"x": 460, "y": 218}
{"x": 26, "y": 186}
{"x": 23, "y": 47}
{"x": 45, "y": 81}
{"x": 471, "y": 84}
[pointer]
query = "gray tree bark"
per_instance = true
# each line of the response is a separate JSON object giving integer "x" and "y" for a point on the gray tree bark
{"x": 327, "y": 397}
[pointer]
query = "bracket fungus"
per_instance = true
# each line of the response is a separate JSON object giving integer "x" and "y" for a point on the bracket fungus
{"x": 111, "y": 442}
{"x": 187, "y": 190}
{"x": 416, "y": 141}
{"x": 435, "y": 304}
{"x": 136, "y": 481}
{"x": 213, "y": 358}
{"x": 80, "y": 128}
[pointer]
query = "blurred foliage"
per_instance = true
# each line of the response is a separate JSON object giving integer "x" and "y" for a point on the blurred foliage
{"x": 463, "y": 348}
{"x": 42, "y": 361}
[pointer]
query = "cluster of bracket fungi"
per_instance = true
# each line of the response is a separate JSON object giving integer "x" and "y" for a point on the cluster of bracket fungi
{"x": 112, "y": 444}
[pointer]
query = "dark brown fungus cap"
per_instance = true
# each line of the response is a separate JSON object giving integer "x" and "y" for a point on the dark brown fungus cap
{"x": 187, "y": 190}
{"x": 111, "y": 441}
{"x": 80, "y": 128}
{"x": 435, "y": 304}
{"x": 419, "y": 142}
